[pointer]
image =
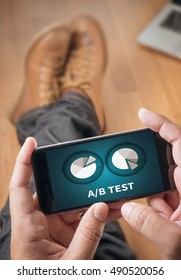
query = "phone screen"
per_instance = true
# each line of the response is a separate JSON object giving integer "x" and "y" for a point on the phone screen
{"x": 115, "y": 167}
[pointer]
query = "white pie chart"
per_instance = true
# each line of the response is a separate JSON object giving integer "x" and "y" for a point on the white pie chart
{"x": 125, "y": 158}
{"x": 83, "y": 167}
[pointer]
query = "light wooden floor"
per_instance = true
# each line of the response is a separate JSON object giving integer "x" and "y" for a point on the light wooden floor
{"x": 135, "y": 77}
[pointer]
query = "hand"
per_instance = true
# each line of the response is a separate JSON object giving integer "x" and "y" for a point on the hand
{"x": 161, "y": 220}
{"x": 59, "y": 236}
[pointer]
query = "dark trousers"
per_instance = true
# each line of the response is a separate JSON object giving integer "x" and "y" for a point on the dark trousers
{"x": 71, "y": 117}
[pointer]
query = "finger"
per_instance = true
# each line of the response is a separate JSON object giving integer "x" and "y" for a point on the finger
{"x": 71, "y": 217}
{"x": 153, "y": 226}
{"x": 60, "y": 232}
{"x": 36, "y": 201}
{"x": 177, "y": 152}
{"x": 115, "y": 205}
{"x": 88, "y": 234}
{"x": 165, "y": 204}
{"x": 160, "y": 206}
{"x": 170, "y": 132}
{"x": 177, "y": 215}
{"x": 172, "y": 199}
{"x": 114, "y": 215}
{"x": 177, "y": 178}
{"x": 166, "y": 128}
{"x": 21, "y": 200}
{"x": 114, "y": 211}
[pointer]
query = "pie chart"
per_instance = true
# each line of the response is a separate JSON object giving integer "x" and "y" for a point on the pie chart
{"x": 125, "y": 158}
{"x": 83, "y": 167}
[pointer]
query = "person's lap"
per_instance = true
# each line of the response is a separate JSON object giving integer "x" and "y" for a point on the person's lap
{"x": 71, "y": 117}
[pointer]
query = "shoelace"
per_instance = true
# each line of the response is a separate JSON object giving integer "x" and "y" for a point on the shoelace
{"x": 80, "y": 69}
{"x": 49, "y": 86}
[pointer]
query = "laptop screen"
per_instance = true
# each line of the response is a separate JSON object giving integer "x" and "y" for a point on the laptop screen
{"x": 176, "y": 2}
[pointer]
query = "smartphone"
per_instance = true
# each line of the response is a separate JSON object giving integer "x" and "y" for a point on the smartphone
{"x": 122, "y": 166}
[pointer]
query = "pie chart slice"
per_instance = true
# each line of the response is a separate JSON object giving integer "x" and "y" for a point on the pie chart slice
{"x": 83, "y": 167}
{"x": 125, "y": 158}
{"x": 90, "y": 160}
{"x": 132, "y": 165}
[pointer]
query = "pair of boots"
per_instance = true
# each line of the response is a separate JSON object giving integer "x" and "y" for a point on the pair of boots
{"x": 62, "y": 59}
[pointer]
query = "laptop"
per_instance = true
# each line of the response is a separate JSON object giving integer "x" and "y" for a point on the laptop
{"x": 164, "y": 32}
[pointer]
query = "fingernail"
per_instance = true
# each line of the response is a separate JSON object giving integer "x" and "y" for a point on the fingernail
{"x": 101, "y": 212}
{"x": 26, "y": 140}
{"x": 126, "y": 209}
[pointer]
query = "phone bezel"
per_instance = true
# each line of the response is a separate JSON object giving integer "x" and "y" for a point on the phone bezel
{"x": 42, "y": 179}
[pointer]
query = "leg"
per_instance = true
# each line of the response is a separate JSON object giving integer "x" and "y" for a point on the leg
{"x": 45, "y": 125}
{"x": 71, "y": 117}
{"x": 113, "y": 244}
{"x": 5, "y": 232}
{"x": 73, "y": 113}
{"x": 44, "y": 63}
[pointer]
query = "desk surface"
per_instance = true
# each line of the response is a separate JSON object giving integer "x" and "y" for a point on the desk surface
{"x": 135, "y": 76}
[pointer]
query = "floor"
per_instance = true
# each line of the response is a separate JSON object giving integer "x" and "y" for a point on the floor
{"x": 136, "y": 77}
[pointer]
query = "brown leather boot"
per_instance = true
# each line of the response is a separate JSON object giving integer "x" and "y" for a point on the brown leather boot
{"x": 86, "y": 62}
{"x": 43, "y": 67}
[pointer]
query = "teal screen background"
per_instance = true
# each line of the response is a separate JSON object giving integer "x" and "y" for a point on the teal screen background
{"x": 69, "y": 195}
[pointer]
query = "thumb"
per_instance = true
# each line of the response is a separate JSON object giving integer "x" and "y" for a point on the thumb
{"x": 88, "y": 233}
{"x": 152, "y": 225}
